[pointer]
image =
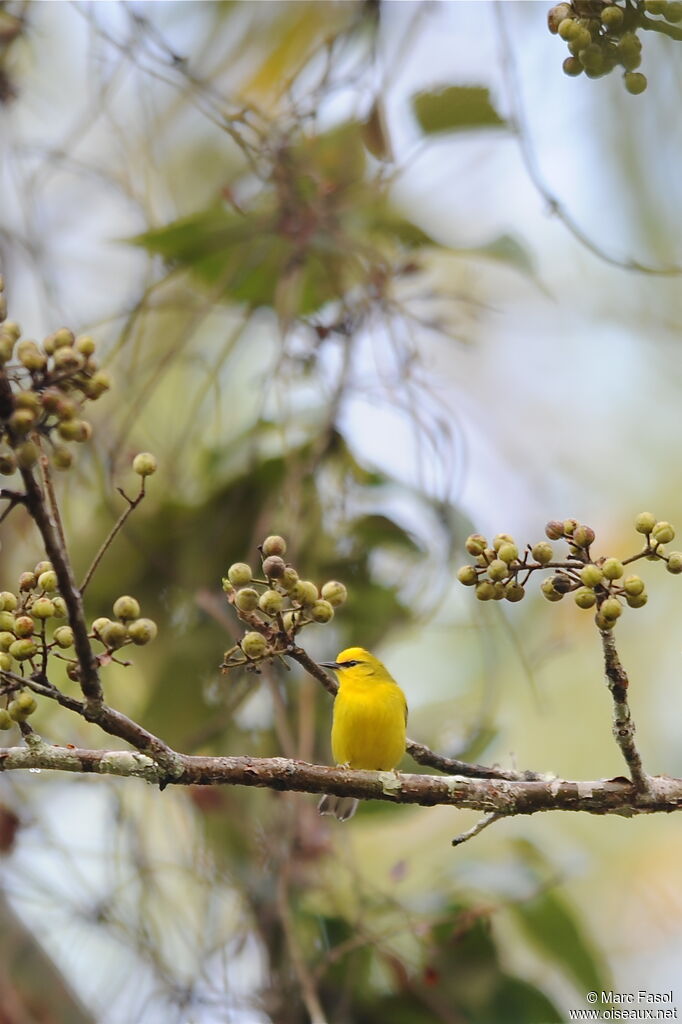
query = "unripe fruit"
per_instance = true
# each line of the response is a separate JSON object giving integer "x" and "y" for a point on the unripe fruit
{"x": 271, "y": 602}
{"x": 27, "y": 581}
{"x": 663, "y": 533}
{"x": 274, "y": 567}
{"x": 645, "y": 522}
{"x": 673, "y": 11}
{"x": 30, "y": 356}
{"x": 508, "y": 553}
{"x": 500, "y": 539}
{"x": 498, "y": 570}
{"x": 142, "y": 631}
{"x": 569, "y": 526}
{"x": 633, "y": 585}
{"x": 554, "y": 529}
{"x": 562, "y": 584}
{"x": 254, "y": 645}
{"x": 514, "y": 592}
{"x": 63, "y": 338}
{"x": 7, "y": 621}
{"x": 289, "y": 578}
{"x": 5, "y": 720}
{"x": 572, "y": 67}
{"x": 8, "y": 601}
{"x": 674, "y": 564}
{"x": 549, "y": 592}
{"x": 466, "y": 575}
{"x": 16, "y": 712}
{"x": 499, "y": 591}
{"x": 487, "y": 557}
{"x": 603, "y": 623}
{"x": 63, "y": 636}
{"x": 322, "y": 611}
{"x": 485, "y": 590}
{"x": 59, "y": 607}
{"x": 48, "y": 580}
{"x": 583, "y": 536}
{"x": 66, "y": 358}
{"x": 24, "y": 625}
{"x": 8, "y": 463}
{"x": 584, "y": 597}
{"x": 114, "y": 634}
{"x": 5, "y": 661}
{"x": 12, "y": 329}
{"x": 612, "y": 569}
{"x": 635, "y": 82}
{"x": 126, "y": 607}
{"x": 611, "y": 608}
{"x": 334, "y": 592}
{"x": 6, "y": 639}
{"x": 26, "y": 702}
{"x": 290, "y": 619}
{"x": 99, "y": 624}
{"x": 22, "y": 420}
{"x": 42, "y": 608}
{"x": 567, "y": 29}
{"x": 239, "y": 574}
{"x": 42, "y": 567}
{"x": 95, "y": 388}
{"x": 637, "y": 600}
{"x": 274, "y": 545}
{"x": 73, "y": 671}
{"x": 542, "y": 552}
{"x": 85, "y": 345}
{"x": 26, "y": 455}
{"x": 476, "y": 544}
{"x": 23, "y": 649}
{"x": 145, "y": 464}
{"x": 246, "y": 599}
{"x": 591, "y": 575}
{"x": 612, "y": 17}
{"x": 556, "y": 15}
{"x": 655, "y": 6}
{"x": 74, "y": 430}
{"x": 305, "y": 592}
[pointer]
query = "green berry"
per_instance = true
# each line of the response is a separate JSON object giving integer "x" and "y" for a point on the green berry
{"x": 114, "y": 635}
{"x": 26, "y": 455}
{"x": 8, "y": 601}
{"x": 583, "y": 536}
{"x": 542, "y": 552}
{"x": 24, "y": 625}
{"x": 499, "y": 591}
{"x": 556, "y": 15}
{"x": 5, "y": 661}
{"x": 476, "y": 544}
{"x": 334, "y": 592}
{"x": 94, "y": 389}
{"x": 591, "y": 575}
{"x": 48, "y": 580}
{"x": 290, "y": 619}
{"x": 305, "y": 592}
{"x": 612, "y": 17}
{"x": 322, "y": 611}
{"x": 673, "y": 11}
{"x": 663, "y": 533}
{"x": 569, "y": 526}
{"x": 604, "y": 624}
{"x": 30, "y": 356}
{"x": 239, "y": 574}
{"x": 274, "y": 545}
{"x": 6, "y": 639}
{"x": 74, "y": 430}
{"x": 63, "y": 338}
{"x": 271, "y": 602}
{"x": 42, "y": 608}
{"x": 498, "y": 570}
{"x": 289, "y": 578}
{"x": 145, "y": 464}
{"x": 99, "y": 625}
{"x": 66, "y": 358}
{"x": 466, "y": 575}
{"x": 6, "y": 621}
{"x": 26, "y": 702}
{"x": 42, "y": 567}
{"x": 126, "y": 607}
{"x": 645, "y": 522}
{"x": 674, "y": 564}
{"x": 62, "y": 457}
{"x": 655, "y": 6}
{"x": 508, "y": 552}
{"x": 63, "y": 636}
{"x": 500, "y": 539}
{"x": 27, "y": 581}
{"x": 142, "y": 631}
{"x": 5, "y": 720}
{"x": 637, "y": 600}
{"x": 254, "y": 645}
{"x": 514, "y": 592}
{"x": 635, "y": 83}
{"x": 485, "y": 590}
{"x": 59, "y": 607}
{"x": 567, "y": 29}
{"x": 8, "y": 463}
{"x": 246, "y": 599}
{"x": 274, "y": 567}
{"x": 23, "y": 649}
{"x": 612, "y": 569}
{"x": 584, "y": 597}
{"x": 611, "y": 608}
{"x": 85, "y": 345}
{"x": 554, "y": 529}
{"x": 549, "y": 592}
{"x": 633, "y": 585}
{"x": 572, "y": 67}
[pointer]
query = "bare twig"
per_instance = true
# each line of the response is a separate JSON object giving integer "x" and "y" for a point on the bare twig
{"x": 623, "y": 725}
{"x": 118, "y": 525}
{"x": 463, "y": 837}
{"x": 14, "y": 498}
{"x": 52, "y": 498}
{"x": 307, "y": 985}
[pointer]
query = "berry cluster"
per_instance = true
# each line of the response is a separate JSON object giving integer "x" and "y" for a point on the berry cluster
{"x": 125, "y": 628}
{"x": 602, "y": 35}
{"x": 276, "y": 607}
{"x": 45, "y": 388}
{"x": 500, "y": 573}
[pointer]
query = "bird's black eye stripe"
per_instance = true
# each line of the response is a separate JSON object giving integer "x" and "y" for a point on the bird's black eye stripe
{"x": 349, "y": 664}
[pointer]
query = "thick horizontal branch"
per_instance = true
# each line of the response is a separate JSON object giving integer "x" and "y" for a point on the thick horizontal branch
{"x": 492, "y": 796}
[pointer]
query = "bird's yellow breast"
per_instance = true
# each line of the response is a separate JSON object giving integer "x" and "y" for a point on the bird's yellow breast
{"x": 369, "y": 724}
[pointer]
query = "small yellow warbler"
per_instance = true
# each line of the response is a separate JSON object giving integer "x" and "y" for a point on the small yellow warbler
{"x": 370, "y": 717}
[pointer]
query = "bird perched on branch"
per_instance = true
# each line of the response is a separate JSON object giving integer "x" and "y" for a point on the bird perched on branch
{"x": 370, "y": 718}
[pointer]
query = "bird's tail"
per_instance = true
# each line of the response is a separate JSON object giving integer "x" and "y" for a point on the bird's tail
{"x": 342, "y": 807}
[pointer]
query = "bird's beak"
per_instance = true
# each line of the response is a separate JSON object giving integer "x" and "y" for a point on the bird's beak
{"x": 330, "y": 664}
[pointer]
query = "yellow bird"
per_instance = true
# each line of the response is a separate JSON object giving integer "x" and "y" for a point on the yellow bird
{"x": 370, "y": 718}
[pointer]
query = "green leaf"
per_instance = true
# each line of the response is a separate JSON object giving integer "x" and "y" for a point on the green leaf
{"x": 455, "y": 108}
{"x": 551, "y": 925}
{"x": 517, "y": 1000}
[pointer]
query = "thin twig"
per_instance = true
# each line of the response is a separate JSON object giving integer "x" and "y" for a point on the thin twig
{"x": 307, "y": 985}
{"x": 14, "y": 497}
{"x": 623, "y": 725}
{"x": 488, "y": 819}
{"x": 52, "y": 497}
{"x": 118, "y": 525}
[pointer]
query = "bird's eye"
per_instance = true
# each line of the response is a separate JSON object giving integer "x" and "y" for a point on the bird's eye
{"x": 350, "y": 664}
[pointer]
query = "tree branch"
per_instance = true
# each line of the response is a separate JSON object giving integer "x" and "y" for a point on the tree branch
{"x": 623, "y": 725}
{"x": 499, "y": 797}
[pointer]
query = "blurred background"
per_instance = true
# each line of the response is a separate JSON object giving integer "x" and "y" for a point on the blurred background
{"x": 341, "y": 304}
